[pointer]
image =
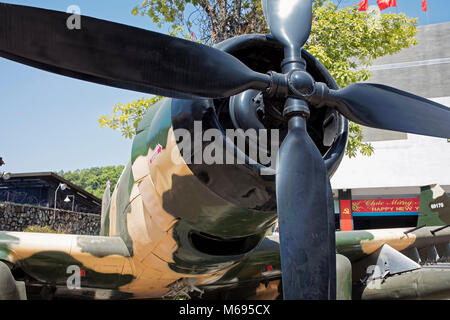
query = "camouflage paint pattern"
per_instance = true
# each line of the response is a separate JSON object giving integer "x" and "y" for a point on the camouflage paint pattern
{"x": 357, "y": 244}
{"x": 139, "y": 251}
{"x": 434, "y": 206}
{"x": 426, "y": 283}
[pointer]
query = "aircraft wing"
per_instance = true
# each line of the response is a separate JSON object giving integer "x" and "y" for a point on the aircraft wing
{"x": 371, "y": 264}
{"x": 101, "y": 262}
{"x": 386, "y": 263}
{"x": 406, "y": 263}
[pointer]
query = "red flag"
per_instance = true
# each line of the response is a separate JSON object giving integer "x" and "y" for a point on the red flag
{"x": 363, "y": 5}
{"x": 192, "y": 36}
{"x": 424, "y": 5}
{"x": 383, "y": 4}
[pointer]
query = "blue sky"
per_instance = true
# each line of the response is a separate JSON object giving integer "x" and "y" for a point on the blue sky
{"x": 49, "y": 122}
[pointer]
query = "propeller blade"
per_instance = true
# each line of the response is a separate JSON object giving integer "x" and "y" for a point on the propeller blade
{"x": 121, "y": 56}
{"x": 289, "y": 22}
{"x": 305, "y": 217}
{"x": 383, "y": 107}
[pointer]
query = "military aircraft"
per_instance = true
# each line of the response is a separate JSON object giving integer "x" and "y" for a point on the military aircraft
{"x": 178, "y": 227}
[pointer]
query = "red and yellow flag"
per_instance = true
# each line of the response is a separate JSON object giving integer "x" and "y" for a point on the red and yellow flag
{"x": 424, "y": 5}
{"x": 384, "y": 4}
{"x": 363, "y": 5}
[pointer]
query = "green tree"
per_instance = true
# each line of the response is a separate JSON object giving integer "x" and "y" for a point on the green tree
{"x": 214, "y": 21}
{"x": 345, "y": 40}
{"x": 94, "y": 180}
{"x": 126, "y": 117}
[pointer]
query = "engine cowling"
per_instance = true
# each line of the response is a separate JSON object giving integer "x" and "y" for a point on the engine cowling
{"x": 243, "y": 184}
{"x": 226, "y": 207}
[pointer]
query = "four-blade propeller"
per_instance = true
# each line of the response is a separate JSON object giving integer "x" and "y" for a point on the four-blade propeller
{"x": 130, "y": 58}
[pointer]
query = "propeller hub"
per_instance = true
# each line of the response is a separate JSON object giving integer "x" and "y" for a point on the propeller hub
{"x": 301, "y": 83}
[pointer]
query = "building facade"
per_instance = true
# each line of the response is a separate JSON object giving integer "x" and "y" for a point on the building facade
{"x": 43, "y": 189}
{"x": 383, "y": 190}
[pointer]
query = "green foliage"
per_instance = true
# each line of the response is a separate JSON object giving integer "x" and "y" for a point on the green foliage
{"x": 94, "y": 180}
{"x": 345, "y": 40}
{"x": 214, "y": 20}
{"x": 355, "y": 143}
{"x": 162, "y": 11}
{"x": 42, "y": 229}
{"x": 126, "y": 117}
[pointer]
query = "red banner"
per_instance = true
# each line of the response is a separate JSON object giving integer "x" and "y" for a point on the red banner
{"x": 386, "y": 205}
{"x": 346, "y": 215}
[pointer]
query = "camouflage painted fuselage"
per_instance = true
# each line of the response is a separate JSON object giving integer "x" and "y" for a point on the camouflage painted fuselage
{"x": 146, "y": 243}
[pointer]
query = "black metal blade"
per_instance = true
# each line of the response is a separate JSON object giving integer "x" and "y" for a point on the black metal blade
{"x": 121, "y": 56}
{"x": 305, "y": 210}
{"x": 384, "y": 107}
{"x": 290, "y": 23}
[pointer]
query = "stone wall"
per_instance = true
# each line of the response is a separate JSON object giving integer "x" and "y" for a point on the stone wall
{"x": 17, "y": 217}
